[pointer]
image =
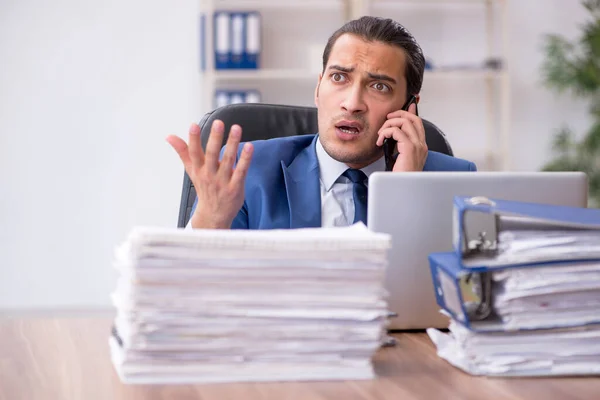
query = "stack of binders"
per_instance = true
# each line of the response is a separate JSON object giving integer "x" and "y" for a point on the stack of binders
{"x": 522, "y": 289}
{"x": 237, "y": 39}
{"x": 200, "y": 306}
{"x": 225, "y": 97}
{"x": 237, "y": 46}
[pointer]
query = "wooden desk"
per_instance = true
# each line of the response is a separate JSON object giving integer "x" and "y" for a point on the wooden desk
{"x": 67, "y": 358}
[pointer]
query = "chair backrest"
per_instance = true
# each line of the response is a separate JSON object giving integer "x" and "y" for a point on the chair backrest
{"x": 266, "y": 121}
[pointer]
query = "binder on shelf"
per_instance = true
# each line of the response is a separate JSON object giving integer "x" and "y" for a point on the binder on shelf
{"x": 236, "y": 97}
{"x": 225, "y": 97}
{"x": 237, "y": 39}
{"x": 540, "y": 261}
{"x": 222, "y": 40}
{"x": 253, "y": 40}
{"x": 253, "y": 96}
{"x": 221, "y": 98}
{"x": 237, "y": 21}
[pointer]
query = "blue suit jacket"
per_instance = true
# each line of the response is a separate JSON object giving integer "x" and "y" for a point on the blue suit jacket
{"x": 282, "y": 185}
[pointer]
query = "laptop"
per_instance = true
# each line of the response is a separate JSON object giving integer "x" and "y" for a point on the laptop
{"x": 415, "y": 208}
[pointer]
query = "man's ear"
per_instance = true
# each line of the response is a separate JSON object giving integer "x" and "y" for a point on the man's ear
{"x": 317, "y": 89}
{"x": 417, "y": 98}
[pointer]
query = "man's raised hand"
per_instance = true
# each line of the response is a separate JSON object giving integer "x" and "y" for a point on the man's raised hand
{"x": 219, "y": 186}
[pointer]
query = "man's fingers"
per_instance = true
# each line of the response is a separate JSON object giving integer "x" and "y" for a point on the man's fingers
{"x": 179, "y": 145}
{"x": 412, "y": 108}
{"x": 400, "y": 122}
{"x": 231, "y": 148}
{"x": 417, "y": 122}
{"x": 195, "y": 147}
{"x": 213, "y": 146}
{"x": 411, "y": 131}
{"x": 402, "y": 125}
{"x": 392, "y": 132}
{"x": 412, "y": 117}
{"x": 241, "y": 169}
{"x": 410, "y": 114}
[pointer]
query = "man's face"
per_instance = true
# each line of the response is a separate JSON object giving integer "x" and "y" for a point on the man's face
{"x": 362, "y": 83}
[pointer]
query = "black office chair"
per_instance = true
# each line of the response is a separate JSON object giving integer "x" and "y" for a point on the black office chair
{"x": 265, "y": 121}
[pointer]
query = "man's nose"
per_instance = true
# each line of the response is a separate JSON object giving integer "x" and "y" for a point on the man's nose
{"x": 354, "y": 102}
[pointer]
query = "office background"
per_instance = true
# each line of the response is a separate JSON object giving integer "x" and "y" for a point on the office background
{"x": 88, "y": 92}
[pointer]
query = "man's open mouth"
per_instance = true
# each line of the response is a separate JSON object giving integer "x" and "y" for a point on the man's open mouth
{"x": 350, "y": 127}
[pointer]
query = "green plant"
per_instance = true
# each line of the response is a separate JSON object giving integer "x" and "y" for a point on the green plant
{"x": 575, "y": 67}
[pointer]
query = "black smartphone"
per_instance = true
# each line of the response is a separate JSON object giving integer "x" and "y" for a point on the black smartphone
{"x": 389, "y": 145}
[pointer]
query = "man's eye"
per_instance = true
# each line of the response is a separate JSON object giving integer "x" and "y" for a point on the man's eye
{"x": 337, "y": 77}
{"x": 381, "y": 87}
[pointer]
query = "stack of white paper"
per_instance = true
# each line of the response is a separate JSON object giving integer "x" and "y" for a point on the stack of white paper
{"x": 536, "y": 246}
{"x": 567, "y": 351}
{"x": 548, "y": 296}
{"x": 221, "y": 305}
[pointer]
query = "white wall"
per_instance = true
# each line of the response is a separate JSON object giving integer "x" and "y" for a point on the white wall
{"x": 89, "y": 90}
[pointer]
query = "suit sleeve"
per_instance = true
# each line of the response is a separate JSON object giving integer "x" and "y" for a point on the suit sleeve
{"x": 189, "y": 224}
{"x": 241, "y": 219}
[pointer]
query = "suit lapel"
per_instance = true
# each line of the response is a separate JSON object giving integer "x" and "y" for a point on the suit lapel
{"x": 302, "y": 187}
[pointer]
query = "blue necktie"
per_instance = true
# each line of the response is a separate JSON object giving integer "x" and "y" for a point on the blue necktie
{"x": 359, "y": 193}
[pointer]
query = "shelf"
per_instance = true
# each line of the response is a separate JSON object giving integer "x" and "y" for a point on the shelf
{"x": 465, "y": 74}
{"x": 262, "y": 74}
{"x": 299, "y": 74}
{"x": 277, "y": 4}
{"x": 403, "y": 3}
{"x": 483, "y": 158}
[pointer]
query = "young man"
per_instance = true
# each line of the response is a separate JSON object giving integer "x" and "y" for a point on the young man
{"x": 371, "y": 68}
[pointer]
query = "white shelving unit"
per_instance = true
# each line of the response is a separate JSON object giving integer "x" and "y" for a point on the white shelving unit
{"x": 290, "y": 70}
{"x": 260, "y": 74}
{"x": 495, "y": 154}
{"x": 272, "y": 73}
{"x": 298, "y": 78}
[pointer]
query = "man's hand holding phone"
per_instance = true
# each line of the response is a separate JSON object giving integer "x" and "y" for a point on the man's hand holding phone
{"x": 407, "y": 129}
{"x": 219, "y": 186}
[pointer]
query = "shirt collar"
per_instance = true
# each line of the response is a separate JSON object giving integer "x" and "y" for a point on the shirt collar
{"x": 331, "y": 169}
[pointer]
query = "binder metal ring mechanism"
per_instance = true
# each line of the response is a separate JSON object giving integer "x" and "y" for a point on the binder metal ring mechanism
{"x": 481, "y": 283}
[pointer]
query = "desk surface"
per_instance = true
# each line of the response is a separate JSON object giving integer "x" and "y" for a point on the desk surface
{"x": 67, "y": 358}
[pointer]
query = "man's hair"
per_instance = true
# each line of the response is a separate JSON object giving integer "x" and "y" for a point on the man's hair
{"x": 375, "y": 29}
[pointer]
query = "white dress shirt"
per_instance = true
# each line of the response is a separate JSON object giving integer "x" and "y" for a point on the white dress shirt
{"x": 337, "y": 203}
